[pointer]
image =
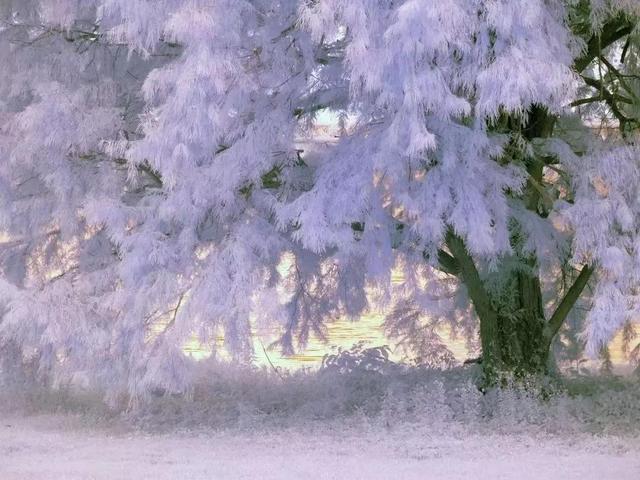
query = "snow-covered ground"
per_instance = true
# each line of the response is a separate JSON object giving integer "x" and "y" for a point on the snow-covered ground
{"x": 55, "y": 447}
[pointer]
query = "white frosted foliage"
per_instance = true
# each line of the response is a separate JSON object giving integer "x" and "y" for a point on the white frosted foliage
{"x": 161, "y": 163}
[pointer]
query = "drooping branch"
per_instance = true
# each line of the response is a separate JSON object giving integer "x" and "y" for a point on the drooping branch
{"x": 144, "y": 167}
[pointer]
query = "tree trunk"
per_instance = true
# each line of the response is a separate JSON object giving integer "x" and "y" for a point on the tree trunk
{"x": 525, "y": 349}
{"x": 513, "y": 341}
{"x": 521, "y": 331}
{"x": 516, "y": 338}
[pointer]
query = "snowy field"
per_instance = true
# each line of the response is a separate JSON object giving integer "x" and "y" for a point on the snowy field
{"x": 59, "y": 447}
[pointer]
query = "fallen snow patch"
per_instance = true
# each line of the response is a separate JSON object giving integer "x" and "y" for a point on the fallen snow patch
{"x": 62, "y": 447}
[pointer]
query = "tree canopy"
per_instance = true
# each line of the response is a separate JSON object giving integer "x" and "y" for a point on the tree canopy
{"x": 161, "y": 161}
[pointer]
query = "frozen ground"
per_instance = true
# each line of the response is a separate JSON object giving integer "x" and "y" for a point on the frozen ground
{"x": 56, "y": 447}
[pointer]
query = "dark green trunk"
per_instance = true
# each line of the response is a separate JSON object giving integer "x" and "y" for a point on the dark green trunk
{"x": 521, "y": 340}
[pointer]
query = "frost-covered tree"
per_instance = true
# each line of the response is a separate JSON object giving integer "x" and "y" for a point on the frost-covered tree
{"x": 458, "y": 157}
{"x": 160, "y": 165}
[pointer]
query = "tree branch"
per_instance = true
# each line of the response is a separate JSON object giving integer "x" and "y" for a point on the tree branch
{"x": 447, "y": 263}
{"x": 584, "y": 101}
{"x": 567, "y": 303}
{"x": 479, "y": 297}
{"x": 609, "y": 98}
{"x": 604, "y": 93}
{"x": 621, "y": 77}
{"x": 611, "y": 32}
